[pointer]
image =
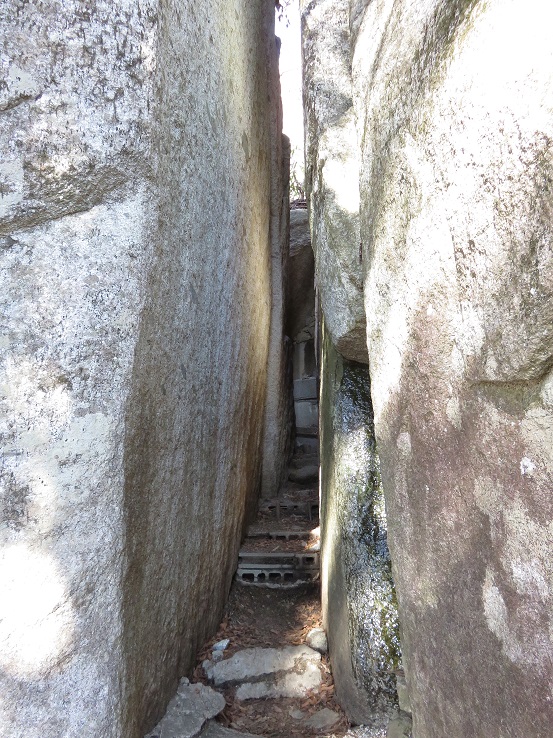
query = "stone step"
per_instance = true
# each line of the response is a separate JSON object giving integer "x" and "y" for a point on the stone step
{"x": 189, "y": 710}
{"x": 268, "y": 672}
{"x": 304, "y": 474}
{"x": 282, "y": 507}
{"x": 305, "y": 389}
{"x": 306, "y": 444}
{"x": 216, "y": 730}
{"x": 284, "y": 559}
{"x": 306, "y": 459}
{"x": 277, "y": 568}
{"x": 280, "y": 535}
{"x": 275, "y": 577}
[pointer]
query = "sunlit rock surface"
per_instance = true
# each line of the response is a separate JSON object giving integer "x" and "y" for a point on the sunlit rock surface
{"x": 135, "y": 183}
{"x": 453, "y": 105}
{"x": 359, "y": 602}
{"x": 332, "y": 173}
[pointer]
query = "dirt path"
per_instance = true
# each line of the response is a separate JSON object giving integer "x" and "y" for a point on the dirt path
{"x": 274, "y": 617}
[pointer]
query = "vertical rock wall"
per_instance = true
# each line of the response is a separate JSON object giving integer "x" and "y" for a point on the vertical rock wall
{"x": 332, "y": 173}
{"x": 135, "y": 190}
{"x": 279, "y": 408}
{"x": 453, "y": 106}
{"x": 358, "y": 597}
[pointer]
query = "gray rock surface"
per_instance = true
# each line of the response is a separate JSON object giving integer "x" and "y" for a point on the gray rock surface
{"x": 216, "y": 730}
{"x": 304, "y": 474}
{"x": 316, "y": 639}
{"x": 322, "y": 720}
{"x": 300, "y": 235}
{"x": 366, "y": 731}
{"x": 456, "y": 207}
{"x": 279, "y": 405}
{"x": 188, "y": 711}
{"x": 135, "y": 191}
{"x": 403, "y": 694}
{"x": 255, "y": 663}
{"x": 452, "y": 105}
{"x": 301, "y": 280}
{"x": 400, "y": 727}
{"x": 332, "y": 173}
{"x": 358, "y": 597}
{"x": 292, "y": 684}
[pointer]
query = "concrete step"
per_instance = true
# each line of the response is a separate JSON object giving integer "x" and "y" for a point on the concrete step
{"x": 277, "y": 569}
{"x": 275, "y": 576}
{"x": 280, "y": 508}
{"x": 307, "y": 416}
{"x": 283, "y": 559}
{"x": 280, "y": 535}
{"x": 305, "y": 389}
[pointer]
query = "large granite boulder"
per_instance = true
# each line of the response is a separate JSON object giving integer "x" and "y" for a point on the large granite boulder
{"x": 456, "y": 205}
{"x": 453, "y": 105}
{"x": 135, "y": 190}
{"x": 332, "y": 173}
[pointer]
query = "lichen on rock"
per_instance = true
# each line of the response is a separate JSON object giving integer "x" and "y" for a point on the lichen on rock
{"x": 359, "y": 602}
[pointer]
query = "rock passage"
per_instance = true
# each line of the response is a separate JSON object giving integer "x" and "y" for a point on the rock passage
{"x": 266, "y": 670}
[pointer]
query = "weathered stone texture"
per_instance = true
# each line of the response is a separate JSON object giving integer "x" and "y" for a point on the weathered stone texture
{"x": 301, "y": 281}
{"x": 279, "y": 408}
{"x": 188, "y": 712}
{"x": 456, "y": 197}
{"x": 332, "y": 173}
{"x": 358, "y": 597}
{"x": 453, "y": 107}
{"x": 135, "y": 285}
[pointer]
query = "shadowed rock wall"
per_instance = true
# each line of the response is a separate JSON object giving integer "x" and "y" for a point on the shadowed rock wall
{"x": 279, "y": 408}
{"x": 135, "y": 190}
{"x": 358, "y": 597}
{"x": 452, "y": 104}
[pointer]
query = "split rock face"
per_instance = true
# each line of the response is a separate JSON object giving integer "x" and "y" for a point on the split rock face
{"x": 452, "y": 105}
{"x": 135, "y": 187}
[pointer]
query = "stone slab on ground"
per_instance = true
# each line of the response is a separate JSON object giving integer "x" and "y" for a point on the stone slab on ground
{"x": 256, "y": 663}
{"x": 322, "y": 720}
{"x": 297, "y": 714}
{"x": 316, "y": 639}
{"x": 291, "y": 684}
{"x": 214, "y": 729}
{"x": 188, "y": 711}
{"x": 400, "y": 727}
